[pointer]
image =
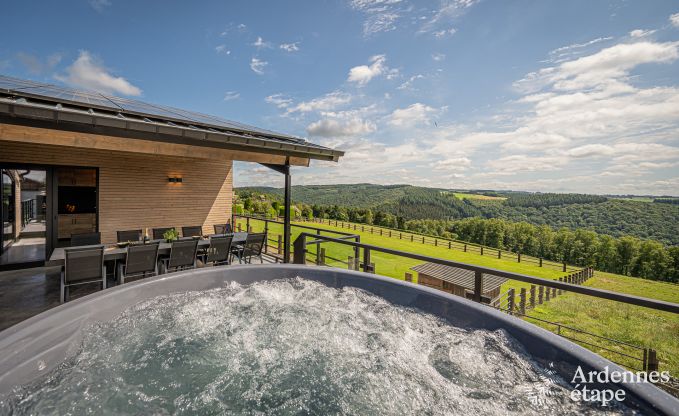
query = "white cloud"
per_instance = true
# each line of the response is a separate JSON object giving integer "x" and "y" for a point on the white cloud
{"x": 261, "y": 44}
{"x": 381, "y": 15}
{"x": 258, "y": 65}
{"x": 412, "y": 115}
{"x": 326, "y": 102}
{"x": 279, "y": 100}
{"x": 89, "y": 74}
{"x": 35, "y": 65}
{"x": 290, "y": 47}
{"x": 99, "y": 5}
{"x": 674, "y": 19}
{"x": 438, "y": 57}
{"x": 444, "y": 32}
{"x": 231, "y": 95}
{"x": 340, "y": 128}
{"x": 591, "y": 150}
{"x": 606, "y": 67}
{"x": 222, "y": 50}
{"x": 362, "y": 74}
{"x": 448, "y": 11}
{"x": 639, "y": 33}
{"x": 408, "y": 85}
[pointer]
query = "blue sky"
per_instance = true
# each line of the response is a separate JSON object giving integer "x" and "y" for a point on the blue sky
{"x": 575, "y": 96}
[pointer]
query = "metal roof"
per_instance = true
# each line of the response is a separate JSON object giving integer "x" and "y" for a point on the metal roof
{"x": 458, "y": 276}
{"x": 39, "y": 101}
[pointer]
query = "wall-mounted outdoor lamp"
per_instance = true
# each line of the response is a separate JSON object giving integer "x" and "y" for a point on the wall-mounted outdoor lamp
{"x": 174, "y": 179}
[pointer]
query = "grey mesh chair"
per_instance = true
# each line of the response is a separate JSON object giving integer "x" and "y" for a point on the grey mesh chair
{"x": 82, "y": 266}
{"x": 159, "y": 232}
{"x": 223, "y": 228}
{"x": 193, "y": 231}
{"x": 182, "y": 255}
{"x": 219, "y": 251}
{"x": 85, "y": 239}
{"x": 129, "y": 235}
{"x": 254, "y": 243}
{"x": 141, "y": 261}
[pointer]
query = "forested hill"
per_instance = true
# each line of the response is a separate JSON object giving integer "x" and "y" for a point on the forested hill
{"x": 649, "y": 219}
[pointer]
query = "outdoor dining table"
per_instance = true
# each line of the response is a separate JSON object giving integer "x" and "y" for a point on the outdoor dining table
{"x": 116, "y": 253}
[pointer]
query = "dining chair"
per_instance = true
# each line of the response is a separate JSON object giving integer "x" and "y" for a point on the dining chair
{"x": 141, "y": 261}
{"x": 82, "y": 265}
{"x": 192, "y": 231}
{"x": 159, "y": 232}
{"x": 129, "y": 235}
{"x": 254, "y": 243}
{"x": 219, "y": 251}
{"x": 85, "y": 239}
{"x": 182, "y": 255}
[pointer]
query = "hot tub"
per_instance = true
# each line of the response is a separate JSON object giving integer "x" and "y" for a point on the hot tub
{"x": 32, "y": 352}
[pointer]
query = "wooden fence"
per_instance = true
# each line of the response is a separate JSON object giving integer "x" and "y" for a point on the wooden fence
{"x": 446, "y": 243}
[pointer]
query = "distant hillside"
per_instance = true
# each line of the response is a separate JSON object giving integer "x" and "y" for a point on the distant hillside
{"x": 617, "y": 217}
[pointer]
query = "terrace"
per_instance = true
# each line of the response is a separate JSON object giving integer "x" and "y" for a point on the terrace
{"x": 120, "y": 175}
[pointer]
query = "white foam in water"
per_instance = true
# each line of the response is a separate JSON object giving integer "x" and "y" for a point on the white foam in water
{"x": 291, "y": 346}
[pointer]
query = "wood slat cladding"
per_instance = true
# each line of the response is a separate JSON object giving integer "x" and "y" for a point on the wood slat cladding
{"x": 25, "y": 134}
{"x": 134, "y": 191}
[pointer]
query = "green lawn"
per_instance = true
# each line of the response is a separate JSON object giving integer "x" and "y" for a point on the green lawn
{"x": 461, "y": 195}
{"x": 627, "y": 323}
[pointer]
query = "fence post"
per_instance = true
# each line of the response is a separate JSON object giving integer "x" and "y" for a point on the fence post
{"x": 553, "y": 292}
{"x": 322, "y": 256}
{"x": 499, "y": 254}
{"x": 652, "y": 360}
{"x": 371, "y": 230}
{"x": 366, "y": 260}
{"x": 450, "y": 245}
{"x": 362, "y": 228}
{"x": 266, "y": 236}
{"x": 422, "y": 239}
{"x": 409, "y": 277}
{"x": 522, "y": 301}
{"x": 541, "y": 292}
{"x": 478, "y": 284}
{"x": 350, "y": 263}
{"x": 247, "y": 224}
{"x": 249, "y": 229}
{"x": 540, "y": 261}
{"x": 239, "y": 229}
{"x": 380, "y": 231}
{"x": 280, "y": 244}
{"x": 518, "y": 257}
{"x": 532, "y": 296}
{"x": 564, "y": 266}
{"x": 400, "y": 236}
{"x": 436, "y": 242}
{"x": 412, "y": 237}
{"x": 465, "y": 248}
{"x": 560, "y": 280}
{"x": 547, "y": 294}
{"x": 510, "y": 301}
{"x": 482, "y": 250}
{"x": 389, "y": 233}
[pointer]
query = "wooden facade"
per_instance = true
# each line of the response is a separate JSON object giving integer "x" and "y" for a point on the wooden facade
{"x": 133, "y": 187}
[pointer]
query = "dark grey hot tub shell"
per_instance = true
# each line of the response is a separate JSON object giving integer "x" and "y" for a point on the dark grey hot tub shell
{"x": 37, "y": 345}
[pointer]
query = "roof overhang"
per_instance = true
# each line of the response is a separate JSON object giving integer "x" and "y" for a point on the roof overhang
{"x": 20, "y": 106}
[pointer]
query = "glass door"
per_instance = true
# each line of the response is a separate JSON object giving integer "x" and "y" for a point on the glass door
{"x": 24, "y": 216}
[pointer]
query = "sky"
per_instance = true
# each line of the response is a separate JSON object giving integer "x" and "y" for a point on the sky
{"x": 551, "y": 96}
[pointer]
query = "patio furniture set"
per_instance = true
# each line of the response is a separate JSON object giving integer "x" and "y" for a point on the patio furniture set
{"x": 135, "y": 256}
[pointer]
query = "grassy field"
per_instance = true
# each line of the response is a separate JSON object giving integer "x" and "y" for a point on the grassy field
{"x": 461, "y": 195}
{"x": 631, "y": 324}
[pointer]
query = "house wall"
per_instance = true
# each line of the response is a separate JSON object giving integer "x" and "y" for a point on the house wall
{"x": 134, "y": 191}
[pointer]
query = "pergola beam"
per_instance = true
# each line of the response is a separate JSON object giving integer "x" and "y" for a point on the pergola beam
{"x": 285, "y": 170}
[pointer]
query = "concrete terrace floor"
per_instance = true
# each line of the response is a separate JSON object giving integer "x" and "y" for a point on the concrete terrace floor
{"x": 28, "y": 292}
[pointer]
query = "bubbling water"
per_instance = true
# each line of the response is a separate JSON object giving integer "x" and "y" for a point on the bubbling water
{"x": 291, "y": 346}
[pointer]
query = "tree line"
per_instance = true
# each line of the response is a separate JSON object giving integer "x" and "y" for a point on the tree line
{"x": 626, "y": 255}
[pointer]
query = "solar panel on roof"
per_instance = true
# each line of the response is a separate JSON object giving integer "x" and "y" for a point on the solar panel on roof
{"x": 116, "y": 104}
